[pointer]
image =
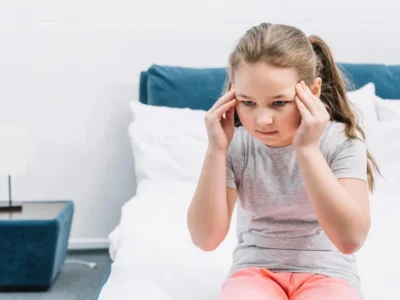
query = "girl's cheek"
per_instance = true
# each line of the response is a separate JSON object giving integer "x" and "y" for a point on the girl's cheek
{"x": 239, "y": 108}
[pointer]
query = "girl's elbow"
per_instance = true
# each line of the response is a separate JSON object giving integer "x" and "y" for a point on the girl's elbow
{"x": 353, "y": 245}
{"x": 210, "y": 241}
{"x": 206, "y": 245}
{"x": 350, "y": 247}
{"x": 356, "y": 241}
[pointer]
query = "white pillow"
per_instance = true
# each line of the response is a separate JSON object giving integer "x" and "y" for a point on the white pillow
{"x": 383, "y": 142}
{"x": 387, "y": 110}
{"x": 167, "y": 143}
{"x": 363, "y": 100}
{"x": 393, "y": 104}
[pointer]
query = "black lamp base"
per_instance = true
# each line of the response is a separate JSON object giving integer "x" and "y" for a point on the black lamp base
{"x": 14, "y": 207}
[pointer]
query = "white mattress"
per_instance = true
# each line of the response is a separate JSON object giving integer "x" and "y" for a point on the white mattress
{"x": 155, "y": 259}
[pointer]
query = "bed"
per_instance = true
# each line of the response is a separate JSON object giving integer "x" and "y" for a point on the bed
{"x": 153, "y": 257}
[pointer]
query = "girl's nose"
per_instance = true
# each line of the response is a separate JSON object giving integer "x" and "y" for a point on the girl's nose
{"x": 264, "y": 118}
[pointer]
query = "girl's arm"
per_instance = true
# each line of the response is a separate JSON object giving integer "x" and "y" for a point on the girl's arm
{"x": 341, "y": 205}
{"x": 210, "y": 211}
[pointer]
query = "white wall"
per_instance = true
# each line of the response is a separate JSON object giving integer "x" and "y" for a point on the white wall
{"x": 68, "y": 70}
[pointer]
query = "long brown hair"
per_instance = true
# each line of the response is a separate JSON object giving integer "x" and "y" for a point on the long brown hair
{"x": 286, "y": 46}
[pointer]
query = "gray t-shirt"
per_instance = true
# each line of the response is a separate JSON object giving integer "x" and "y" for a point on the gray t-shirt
{"x": 276, "y": 226}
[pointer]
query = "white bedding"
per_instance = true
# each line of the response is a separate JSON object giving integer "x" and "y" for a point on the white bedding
{"x": 155, "y": 259}
{"x": 151, "y": 248}
{"x": 153, "y": 255}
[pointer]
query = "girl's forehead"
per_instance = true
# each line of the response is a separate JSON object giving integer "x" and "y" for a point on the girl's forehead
{"x": 261, "y": 75}
{"x": 265, "y": 86}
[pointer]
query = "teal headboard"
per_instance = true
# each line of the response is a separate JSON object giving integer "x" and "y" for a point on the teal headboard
{"x": 199, "y": 88}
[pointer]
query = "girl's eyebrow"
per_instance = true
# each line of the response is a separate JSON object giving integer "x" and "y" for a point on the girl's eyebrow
{"x": 273, "y": 98}
{"x": 243, "y": 96}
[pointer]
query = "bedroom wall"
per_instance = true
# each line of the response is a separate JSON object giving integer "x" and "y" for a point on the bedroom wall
{"x": 70, "y": 68}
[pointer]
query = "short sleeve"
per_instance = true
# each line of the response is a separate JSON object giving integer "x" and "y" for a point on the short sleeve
{"x": 350, "y": 160}
{"x": 230, "y": 175}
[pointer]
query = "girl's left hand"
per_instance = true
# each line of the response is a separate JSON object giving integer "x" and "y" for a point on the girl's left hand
{"x": 314, "y": 118}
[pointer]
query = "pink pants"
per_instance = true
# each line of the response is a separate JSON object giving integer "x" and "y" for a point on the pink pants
{"x": 262, "y": 284}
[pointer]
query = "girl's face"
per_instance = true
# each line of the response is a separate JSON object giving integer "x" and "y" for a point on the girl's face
{"x": 266, "y": 105}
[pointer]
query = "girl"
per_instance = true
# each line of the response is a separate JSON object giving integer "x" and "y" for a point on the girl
{"x": 298, "y": 166}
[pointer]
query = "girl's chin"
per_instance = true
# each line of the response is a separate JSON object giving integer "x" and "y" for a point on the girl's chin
{"x": 275, "y": 142}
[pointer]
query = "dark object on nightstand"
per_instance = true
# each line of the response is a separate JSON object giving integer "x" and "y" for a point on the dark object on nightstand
{"x": 10, "y": 206}
{"x": 33, "y": 244}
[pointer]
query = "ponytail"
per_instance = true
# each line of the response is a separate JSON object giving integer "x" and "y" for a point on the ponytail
{"x": 334, "y": 96}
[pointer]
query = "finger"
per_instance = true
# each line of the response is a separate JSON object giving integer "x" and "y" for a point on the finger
{"x": 305, "y": 113}
{"x": 230, "y": 114}
{"x": 318, "y": 103}
{"x": 310, "y": 94}
{"x": 321, "y": 108}
{"x": 306, "y": 88}
{"x": 229, "y": 119}
{"x": 224, "y": 108}
{"x": 224, "y": 99}
{"x": 305, "y": 98}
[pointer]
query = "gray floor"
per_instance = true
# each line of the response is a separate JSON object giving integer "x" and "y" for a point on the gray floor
{"x": 75, "y": 282}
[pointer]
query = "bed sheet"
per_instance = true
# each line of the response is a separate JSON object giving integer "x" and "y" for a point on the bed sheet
{"x": 154, "y": 258}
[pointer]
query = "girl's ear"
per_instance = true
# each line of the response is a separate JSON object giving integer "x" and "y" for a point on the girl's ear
{"x": 317, "y": 86}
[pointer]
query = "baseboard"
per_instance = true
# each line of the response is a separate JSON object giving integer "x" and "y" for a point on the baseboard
{"x": 80, "y": 244}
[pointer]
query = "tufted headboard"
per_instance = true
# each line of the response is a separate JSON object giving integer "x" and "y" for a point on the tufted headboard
{"x": 199, "y": 88}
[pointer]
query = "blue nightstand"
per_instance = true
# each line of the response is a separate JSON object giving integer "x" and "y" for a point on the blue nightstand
{"x": 33, "y": 244}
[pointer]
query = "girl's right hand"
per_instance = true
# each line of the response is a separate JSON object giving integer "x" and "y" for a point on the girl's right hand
{"x": 220, "y": 129}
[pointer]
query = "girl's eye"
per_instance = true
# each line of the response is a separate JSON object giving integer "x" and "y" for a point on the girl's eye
{"x": 248, "y": 103}
{"x": 280, "y": 103}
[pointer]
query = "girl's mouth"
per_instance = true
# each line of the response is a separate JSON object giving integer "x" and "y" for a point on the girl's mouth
{"x": 267, "y": 133}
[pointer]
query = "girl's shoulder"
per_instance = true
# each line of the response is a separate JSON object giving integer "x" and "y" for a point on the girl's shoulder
{"x": 335, "y": 130}
{"x": 334, "y": 140}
